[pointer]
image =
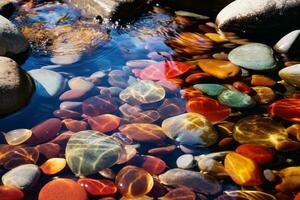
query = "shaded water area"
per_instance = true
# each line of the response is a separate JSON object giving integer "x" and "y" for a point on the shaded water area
{"x": 158, "y": 89}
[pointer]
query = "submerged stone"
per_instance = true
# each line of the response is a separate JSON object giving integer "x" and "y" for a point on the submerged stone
{"x": 285, "y": 43}
{"x": 286, "y": 109}
{"x": 53, "y": 166}
{"x": 243, "y": 170}
{"x": 49, "y": 83}
{"x": 88, "y": 152}
{"x": 62, "y": 189}
{"x": 212, "y": 109}
{"x": 236, "y": 99}
{"x": 191, "y": 129}
{"x": 22, "y": 177}
{"x": 220, "y": 69}
{"x": 210, "y": 89}
{"x": 14, "y": 156}
{"x": 134, "y": 114}
{"x": 253, "y": 56}
{"x": 291, "y": 75}
{"x": 104, "y": 123}
{"x": 259, "y": 130}
{"x": 182, "y": 193}
{"x": 257, "y": 153}
{"x": 196, "y": 181}
{"x": 98, "y": 187}
{"x": 143, "y": 132}
{"x": 98, "y": 105}
{"x": 134, "y": 182}
{"x": 17, "y": 136}
{"x": 45, "y": 131}
{"x": 10, "y": 193}
{"x": 142, "y": 92}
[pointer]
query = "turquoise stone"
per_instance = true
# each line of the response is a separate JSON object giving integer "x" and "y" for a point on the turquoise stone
{"x": 236, "y": 99}
{"x": 210, "y": 89}
{"x": 89, "y": 152}
{"x": 253, "y": 56}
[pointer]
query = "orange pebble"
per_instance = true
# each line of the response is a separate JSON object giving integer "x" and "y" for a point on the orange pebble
{"x": 258, "y": 153}
{"x": 297, "y": 197}
{"x": 53, "y": 166}
{"x": 62, "y": 189}
{"x": 260, "y": 80}
{"x": 10, "y": 193}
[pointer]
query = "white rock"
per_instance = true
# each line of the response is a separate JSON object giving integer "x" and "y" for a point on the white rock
{"x": 259, "y": 11}
{"x": 285, "y": 43}
{"x": 291, "y": 75}
{"x": 185, "y": 161}
{"x": 49, "y": 83}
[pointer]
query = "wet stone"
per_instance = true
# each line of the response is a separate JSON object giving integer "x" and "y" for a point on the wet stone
{"x": 143, "y": 132}
{"x": 49, "y": 83}
{"x": 259, "y": 130}
{"x": 22, "y": 177}
{"x": 62, "y": 189}
{"x": 64, "y": 113}
{"x": 164, "y": 70}
{"x": 17, "y": 136}
{"x": 257, "y": 153}
{"x": 212, "y": 109}
{"x": 45, "y": 131}
{"x": 48, "y": 150}
{"x": 10, "y": 193}
{"x": 219, "y": 68}
{"x": 196, "y": 181}
{"x": 142, "y": 92}
{"x": 104, "y": 123}
{"x": 88, "y": 152}
{"x": 134, "y": 182}
{"x": 151, "y": 164}
{"x": 79, "y": 83}
{"x": 210, "y": 89}
{"x": 134, "y": 114}
{"x": 53, "y": 166}
{"x": 98, "y": 187}
{"x": 242, "y": 170}
{"x": 236, "y": 99}
{"x": 98, "y": 105}
{"x": 75, "y": 125}
{"x": 264, "y": 95}
{"x": 253, "y": 56}
{"x": 14, "y": 156}
{"x": 291, "y": 75}
{"x": 191, "y": 129}
{"x": 185, "y": 161}
{"x": 286, "y": 109}
{"x": 72, "y": 95}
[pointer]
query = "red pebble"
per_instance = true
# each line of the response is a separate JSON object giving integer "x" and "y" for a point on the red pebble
{"x": 98, "y": 187}
{"x": 212, "y": 109}
{"x": 242, "y": 87}
{"x": 45, "y": 131}
{"x": 257, "y": 153}
{"x": 75, "y": 125}
{"x": 151, "y": 164}
{"x": 286, "y": 109}
{"x": 10, "y": 193}
{"x": 164, "y": 70}
{"x": 104, "y": 123}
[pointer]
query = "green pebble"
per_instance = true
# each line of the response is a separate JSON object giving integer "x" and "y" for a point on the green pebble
{"x": 236, "y": 99}
{"x": 210, "y": 89}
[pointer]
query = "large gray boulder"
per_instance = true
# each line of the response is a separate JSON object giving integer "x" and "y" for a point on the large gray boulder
{"x": 12, "y": 42}
{"x": 110, "y": 9}
{"x": 16, "y": 87}
{"x": 260, "y": 16}
{"x": 6, "y": 7}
